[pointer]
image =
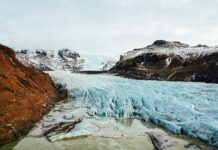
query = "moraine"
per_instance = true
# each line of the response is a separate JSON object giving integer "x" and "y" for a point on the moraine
{"x": 98, "y": 102}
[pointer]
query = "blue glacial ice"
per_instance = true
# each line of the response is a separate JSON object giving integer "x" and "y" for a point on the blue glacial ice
{"x": 190, "y": 108}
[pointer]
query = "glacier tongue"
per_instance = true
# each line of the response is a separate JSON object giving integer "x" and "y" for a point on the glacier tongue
{"x": 190, "y": 108}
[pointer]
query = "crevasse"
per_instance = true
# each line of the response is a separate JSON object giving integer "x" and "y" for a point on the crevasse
{"x": 190, "y": 108}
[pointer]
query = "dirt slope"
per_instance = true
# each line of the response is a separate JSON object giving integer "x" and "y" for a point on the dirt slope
{"x": 25, "y": 96}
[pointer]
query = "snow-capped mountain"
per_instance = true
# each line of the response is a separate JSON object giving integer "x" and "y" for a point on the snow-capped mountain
{"x": 171, "y": 47}
{"x": 65, "y": 59}
{"x": 167, "y": 60}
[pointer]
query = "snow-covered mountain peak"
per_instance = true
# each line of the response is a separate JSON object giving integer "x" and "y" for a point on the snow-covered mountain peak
{"x": 167, "y": 44}
{"x": 48, "y": 60}
{"x": 65, "y": 59}
{"x": 171, "y": 47}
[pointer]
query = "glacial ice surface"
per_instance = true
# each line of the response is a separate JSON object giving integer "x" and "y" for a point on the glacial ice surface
{"x": 181, "y": 107}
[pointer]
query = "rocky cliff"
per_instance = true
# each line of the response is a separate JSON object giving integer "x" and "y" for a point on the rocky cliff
{"x": 26, "y": 95}
{"x": 174, "y": 61}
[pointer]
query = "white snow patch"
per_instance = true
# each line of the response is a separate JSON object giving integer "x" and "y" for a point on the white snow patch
{"x": 183, "y": 52}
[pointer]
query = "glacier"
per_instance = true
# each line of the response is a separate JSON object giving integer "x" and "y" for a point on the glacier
{"x": 97, "y": 62}
{"x": 181, "y": 107}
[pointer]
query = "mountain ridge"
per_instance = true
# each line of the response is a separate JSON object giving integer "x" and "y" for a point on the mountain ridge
{"x": 173, "y": 61}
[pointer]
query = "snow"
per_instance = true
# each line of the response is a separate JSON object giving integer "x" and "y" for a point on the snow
{"x": 190, "y": 108}
{"x": 184, "y": 52}
{"x": 168, "y": 61}
{"x": 50, "y": 59}
{"x": 71, "y": 61}
{"x": 97, "y": 62}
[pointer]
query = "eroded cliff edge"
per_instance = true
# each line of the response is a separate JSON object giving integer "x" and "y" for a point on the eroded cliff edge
{"x": 26, "y": 95}
{"x": 172, "y": 61}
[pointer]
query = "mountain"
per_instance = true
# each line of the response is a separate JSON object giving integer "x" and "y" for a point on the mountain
{"x": 64, "y": 59}
{"x": 26, "y": 95}
{"x": 170, "y": 60}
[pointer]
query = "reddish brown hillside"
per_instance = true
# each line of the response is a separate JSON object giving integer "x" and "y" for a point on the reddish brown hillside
{"x": 25, "y": 96}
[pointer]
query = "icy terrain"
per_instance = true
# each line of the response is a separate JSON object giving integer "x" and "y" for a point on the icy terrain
{"x": 189, "y": 108}
{"x": 95, "y": 62}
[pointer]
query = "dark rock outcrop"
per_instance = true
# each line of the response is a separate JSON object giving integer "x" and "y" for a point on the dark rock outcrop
{"x": 23, "y": 51}
{"x": 26, "y": 95}
{"x": 169, "y": 66}
{"x": 168, "y": 44}
{"x": 41, "y": 52}
{"x": 66, "y": 53}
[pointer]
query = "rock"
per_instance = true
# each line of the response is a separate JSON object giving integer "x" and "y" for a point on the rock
{"x": 23, "y": 51}
{"x": 69, "y": 60}
{"x": 193, "y": 146}
{"x": 63, "y": 92}
{"x": 61, "y": 127}
{"x": 66, "y": 53}
{"x": 25, "y": 96}
{"x": 41, "y": 52}
{"x": 167, "y": 44}
{"x": 161, "y": 141}
{"x": 200, "y": 45}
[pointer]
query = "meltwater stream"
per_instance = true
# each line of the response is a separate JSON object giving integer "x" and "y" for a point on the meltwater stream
{"x": 98, "y": 100}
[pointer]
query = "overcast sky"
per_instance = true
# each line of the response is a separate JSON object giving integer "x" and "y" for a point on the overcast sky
{"x": 106, "y": 26}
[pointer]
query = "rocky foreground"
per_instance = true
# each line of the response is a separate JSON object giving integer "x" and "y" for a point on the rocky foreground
{"x": 26, "y": 95}
{"x": 172, "y": 61}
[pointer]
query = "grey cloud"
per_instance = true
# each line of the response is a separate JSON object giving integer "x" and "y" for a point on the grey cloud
{"x": 104, "y": 26}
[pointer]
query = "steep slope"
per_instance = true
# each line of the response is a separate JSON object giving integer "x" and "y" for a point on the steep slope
{"x": 25, "y": 96}
{"x": 172, "y": 61}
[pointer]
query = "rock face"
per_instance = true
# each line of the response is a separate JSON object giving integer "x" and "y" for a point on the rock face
{"x": 172, "y": 61}
{"x": 25, "y": 95}
{"x": 64, "y": 59}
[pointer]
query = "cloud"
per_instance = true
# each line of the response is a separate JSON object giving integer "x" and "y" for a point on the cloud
{"x": 104, "y": 26}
